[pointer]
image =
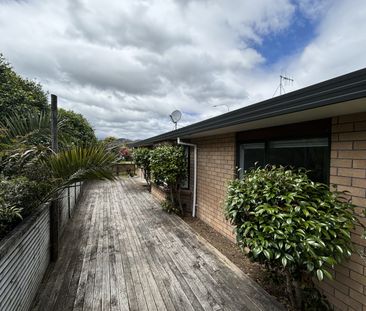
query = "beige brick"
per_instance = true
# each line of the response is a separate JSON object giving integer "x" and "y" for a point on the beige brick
{"x": 351, "y": 172}
{"x": 334, "y": 154}
{"x": 346, "y": 280}
{"x": 333, "y": 171}
{"x": 355, "y": 266}
{"x": 338, "y": 303}
{"x": 355, "y": 257}
{"x": 358, "y": 277}
{"x": 360, "y": 126}
{"x": 327, "y": 288}
{"x": 359, "y": 163}
{"x": 341, "y": 162}
{"x": 360, "y": 297}
{"x": 343, "y": 270}
{"x": 334, "y": 137}
{"x": 359, "y": 182}
{"x": 359, "y": 201}
{"x": 357, "y": 239}
{"x": 358, "y": 117}
{"x": 344, "y": 145}
{"x": 344, "y": 127}
{"x": 346, "y": 299}
{"x": 338, "y": 180}
{"x": 353, "y": 136}
{"x": 340, "y": 287}
{"x": 354, "y": 191}
{"x": 352, "y": 154}
{"x": 359, "y": 145}
{"x": 216, "y": 165}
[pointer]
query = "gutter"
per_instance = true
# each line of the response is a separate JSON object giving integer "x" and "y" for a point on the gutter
{"x": 179, "y": 142}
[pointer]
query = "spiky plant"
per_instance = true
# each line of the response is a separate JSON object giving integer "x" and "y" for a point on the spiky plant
{"x": 25, "y": 152}
{"x": 79, "y": 164}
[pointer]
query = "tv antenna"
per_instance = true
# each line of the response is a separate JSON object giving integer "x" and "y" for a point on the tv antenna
{"x": 175, "y": 117}
{"x": 283, "y": 81}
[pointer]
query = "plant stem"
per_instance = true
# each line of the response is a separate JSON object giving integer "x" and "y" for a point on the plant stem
{"x": 290, "y": 289}
{"x": 298, "y": 294}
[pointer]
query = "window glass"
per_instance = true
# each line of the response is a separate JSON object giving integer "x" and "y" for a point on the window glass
{"x": 250, "y": 155}
{"x": 185, "y": 183}
{"x": 311, "y": 154}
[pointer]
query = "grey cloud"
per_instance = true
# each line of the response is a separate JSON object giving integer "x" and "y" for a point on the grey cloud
{"x": 121, "y": 28}
{"x": 127, "y": 65}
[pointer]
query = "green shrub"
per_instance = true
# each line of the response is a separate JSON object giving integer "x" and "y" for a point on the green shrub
{"x": 168, "y": 166}
{"x": 18, "y": 198}
{"x": 169, "y": 207}
{"x": 141, "y": 157}
{"x": 21, "y": 193}
{"x": 290, "y": 223}
{"x": 9, "y": 217}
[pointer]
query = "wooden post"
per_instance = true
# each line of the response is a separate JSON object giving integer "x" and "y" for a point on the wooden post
{"x": 54, "y": 138}
{"x": 54, "y": 206}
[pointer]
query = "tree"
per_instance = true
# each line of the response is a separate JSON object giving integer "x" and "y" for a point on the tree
{"x": 19, "y": 95}
{"x": 76, "y": 127}
{"x": 290, "y": 223}
{"x": 109, "y": 140}
{"x": 168, "y": 166}
{"x": 141, "y": 157}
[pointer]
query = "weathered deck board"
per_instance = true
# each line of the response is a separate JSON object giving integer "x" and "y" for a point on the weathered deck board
{"x": 122, "y": 252}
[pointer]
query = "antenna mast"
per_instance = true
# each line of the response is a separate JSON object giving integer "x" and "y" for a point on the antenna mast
{"x": 283, "y": 81}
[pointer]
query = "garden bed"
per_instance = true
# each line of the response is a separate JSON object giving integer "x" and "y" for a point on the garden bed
{"x": 255, "y": 271}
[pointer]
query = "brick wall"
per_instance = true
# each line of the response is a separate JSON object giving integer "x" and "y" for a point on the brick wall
{"x": 348, "y": 171}
{"x": 216, "y": 166}
{"x": 158, "y": 193}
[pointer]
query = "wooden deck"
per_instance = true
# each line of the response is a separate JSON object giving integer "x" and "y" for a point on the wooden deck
{"x": 122, "y": 252}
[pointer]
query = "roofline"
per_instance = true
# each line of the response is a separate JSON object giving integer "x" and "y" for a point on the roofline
{"x": 343, "y": 88}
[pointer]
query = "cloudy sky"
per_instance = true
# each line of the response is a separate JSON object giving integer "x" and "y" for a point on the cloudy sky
{"x": 126, "y": 65}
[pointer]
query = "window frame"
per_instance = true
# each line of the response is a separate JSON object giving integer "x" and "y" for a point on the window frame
{"x": 188, "y": 158}
{"x": 298, "y": 131}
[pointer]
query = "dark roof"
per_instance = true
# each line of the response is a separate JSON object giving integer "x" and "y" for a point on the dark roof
{"x": 337, "y": 90}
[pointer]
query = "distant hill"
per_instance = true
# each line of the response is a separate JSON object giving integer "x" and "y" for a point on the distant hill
{"x": 121, "y": 141}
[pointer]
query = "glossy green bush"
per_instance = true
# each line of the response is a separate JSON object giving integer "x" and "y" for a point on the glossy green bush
{"x": 290, "y": 223}
{"x": 169, "y": 167}
{"x": 141, "y": 157}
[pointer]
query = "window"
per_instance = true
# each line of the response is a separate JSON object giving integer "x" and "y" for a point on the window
{"x": 311, "y": 154}
{"x": 250, "y": 155}
{"x": 185, "y": 183}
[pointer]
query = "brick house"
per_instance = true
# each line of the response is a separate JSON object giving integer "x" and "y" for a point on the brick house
{"x": 321, "y": 127}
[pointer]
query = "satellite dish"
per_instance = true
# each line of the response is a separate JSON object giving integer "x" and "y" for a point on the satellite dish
{"x": 175, "y": 117}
